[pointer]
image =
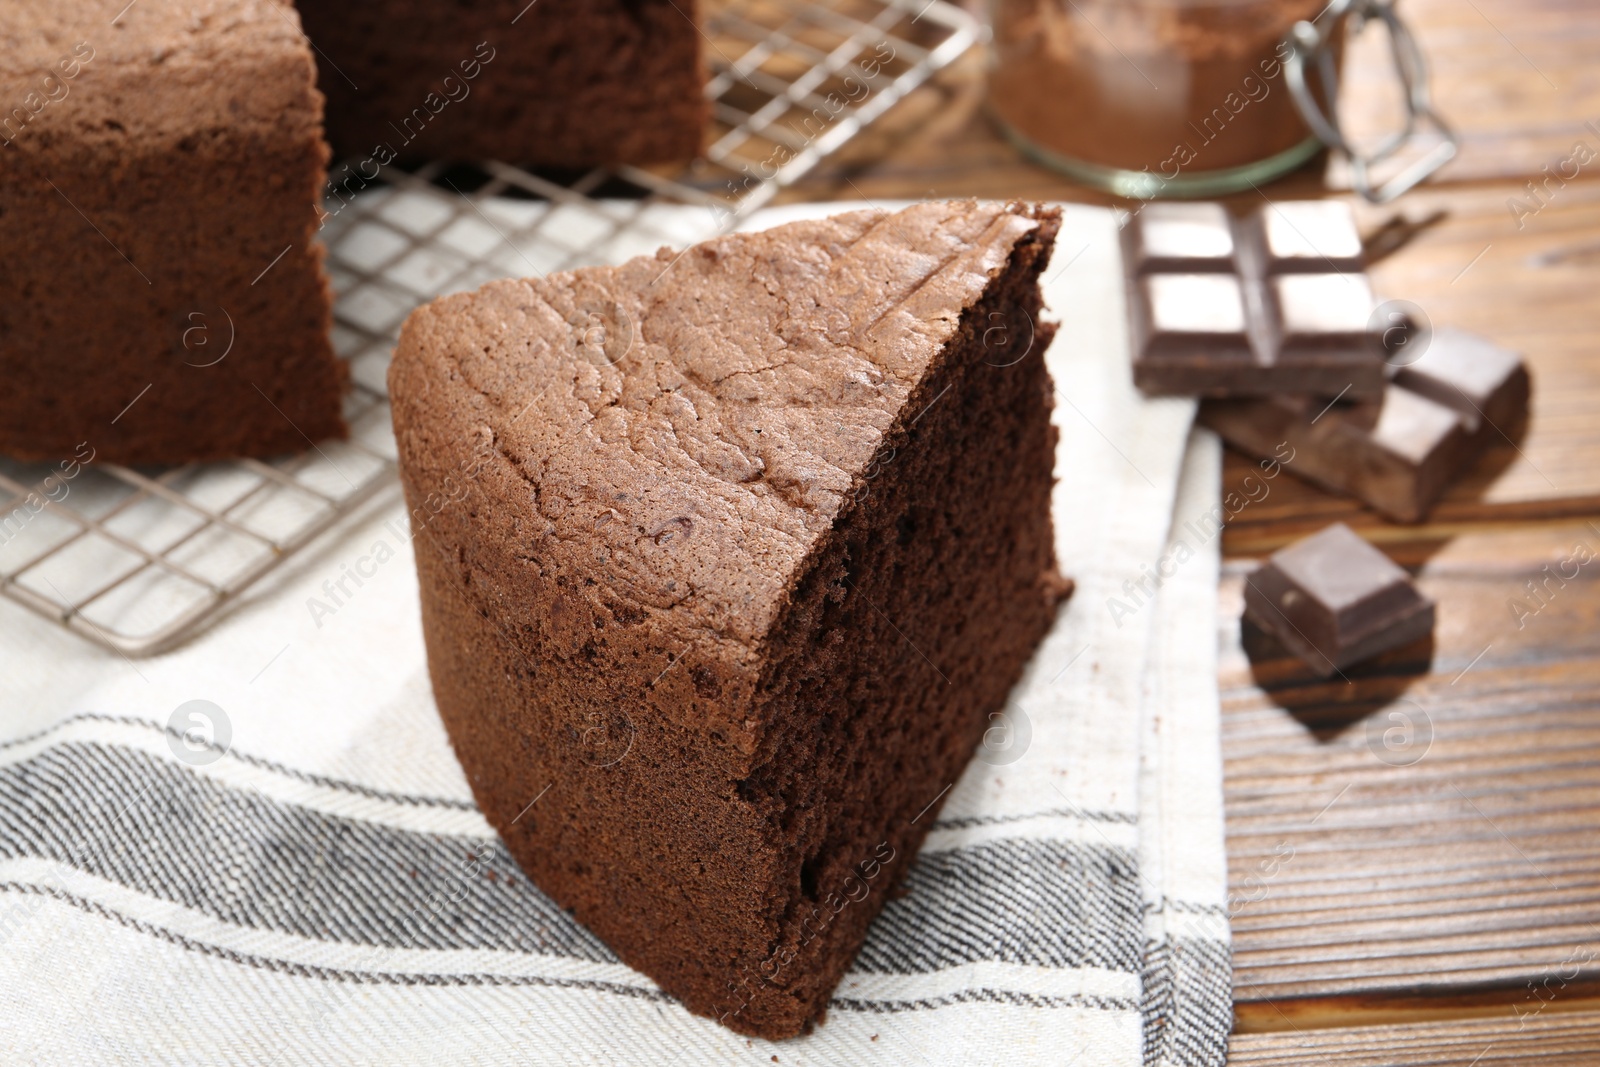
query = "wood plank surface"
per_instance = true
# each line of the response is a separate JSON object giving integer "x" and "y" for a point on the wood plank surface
{"x": 1423, "y": 829}
{"x": 1517, "y": 80}
{"x": 1552, "y": 1039}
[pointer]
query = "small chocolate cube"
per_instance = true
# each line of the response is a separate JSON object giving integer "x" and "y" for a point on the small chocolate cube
{"x": 1334, "y": 600}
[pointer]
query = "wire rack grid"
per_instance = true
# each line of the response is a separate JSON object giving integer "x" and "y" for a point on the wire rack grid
{"x": 138, "y": 560}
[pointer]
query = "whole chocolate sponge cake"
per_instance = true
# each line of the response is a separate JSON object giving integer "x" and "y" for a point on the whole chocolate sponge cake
{"x": 726, "y": 558}
{"x": 164, "y": 299}
{"x": 549, "y": 84}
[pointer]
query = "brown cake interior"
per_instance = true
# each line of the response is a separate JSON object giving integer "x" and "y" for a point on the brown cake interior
{"x": 921, "y": 609}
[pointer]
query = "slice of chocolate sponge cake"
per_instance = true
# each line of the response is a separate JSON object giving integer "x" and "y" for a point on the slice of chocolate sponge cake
{"x": 726, "y": 559}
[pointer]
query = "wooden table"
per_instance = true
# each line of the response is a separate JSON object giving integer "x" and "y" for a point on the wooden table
{"x": 1441, "y": 904}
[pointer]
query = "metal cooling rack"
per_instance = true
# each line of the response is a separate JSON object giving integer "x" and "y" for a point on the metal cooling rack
{"x": 136, "y": 560}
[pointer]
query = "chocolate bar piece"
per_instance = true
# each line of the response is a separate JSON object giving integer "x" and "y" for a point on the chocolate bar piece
{"x": 1333, "y": 600}
{"x": 1397, "y": 455}
{"x": 1273, "y": 304}
{"x": 1400, "y": 453}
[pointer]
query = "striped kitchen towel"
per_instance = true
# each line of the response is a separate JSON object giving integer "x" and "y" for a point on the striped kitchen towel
{"x": 1188, "y": 972}
{"x": 258, "y": 848}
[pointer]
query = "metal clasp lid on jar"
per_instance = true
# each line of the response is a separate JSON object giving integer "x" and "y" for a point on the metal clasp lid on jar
{"x": 1311, "y": 48}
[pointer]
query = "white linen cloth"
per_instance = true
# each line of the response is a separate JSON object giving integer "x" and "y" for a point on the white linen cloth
{"x": 315, "y": 885}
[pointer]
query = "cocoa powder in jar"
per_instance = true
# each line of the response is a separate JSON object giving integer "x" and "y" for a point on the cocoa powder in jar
{"x": 1174, "y": 87}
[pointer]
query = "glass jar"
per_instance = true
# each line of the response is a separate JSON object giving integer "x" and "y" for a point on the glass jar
{"x": 1153, "y": 98}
